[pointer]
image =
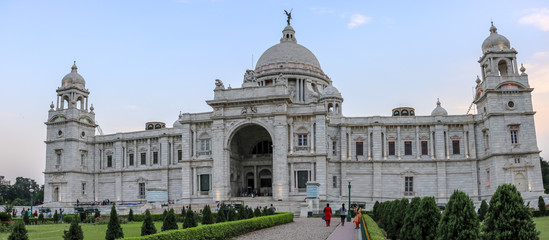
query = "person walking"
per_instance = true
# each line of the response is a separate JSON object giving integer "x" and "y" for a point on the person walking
{"x": 342, "y": 214}
{"x": 327, "y": 214}
{"x": 358, "y": 216}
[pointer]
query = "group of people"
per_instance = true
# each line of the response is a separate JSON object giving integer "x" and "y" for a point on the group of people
{"x": 24, "y": 212}
{"x": 343, "y": 214}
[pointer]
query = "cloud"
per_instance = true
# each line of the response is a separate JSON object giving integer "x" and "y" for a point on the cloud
{"x": 357, "y": 20}
{"x": 538, "y": 72}
{"x": 537, "y": 17}
{"x": 321, "y": 10}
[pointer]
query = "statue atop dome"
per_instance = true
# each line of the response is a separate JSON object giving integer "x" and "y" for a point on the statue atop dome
{"x": 289, "y": 15}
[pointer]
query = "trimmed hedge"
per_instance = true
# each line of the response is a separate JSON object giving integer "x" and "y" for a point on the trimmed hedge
{"x": 224, "y": 230}
{"x": 373, "y": 228}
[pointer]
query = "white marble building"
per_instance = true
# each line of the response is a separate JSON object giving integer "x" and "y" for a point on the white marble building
{"x": 285, "y": 127}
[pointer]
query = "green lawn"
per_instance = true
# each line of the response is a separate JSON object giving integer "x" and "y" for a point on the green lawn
{"x": 91, "y": 231}
{"x": 542, "y": 225}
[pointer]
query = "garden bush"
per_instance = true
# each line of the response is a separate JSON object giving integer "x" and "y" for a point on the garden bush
{"x": 482, "y": 210}
{"x": 373, "y": 229}
{"x": 408, "y": 223}
{"x": 225, "y": 230}
{"x": 426, "y": 220}
{"x": 459, "y": 220}
{"x": 190, "y": 220}
{"x": 19, "y": 232}
{"x": 148, "y": 227}
{"x": 207, "y": 215}
{"x": 114, "y": 230}
{"x": 4, "y": 218}
{"x": 169, "y": 221}
{"x": 74, "y": 232}
{"x": 541, "y": 206}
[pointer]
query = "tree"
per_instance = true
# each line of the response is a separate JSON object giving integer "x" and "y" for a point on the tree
{"x": 164, "y": 214}
{"x": 545, "y": 174}
{"x": 114, "y": 230}
{"x": 56, "y": 217}
{"x": 408, "y": 223}
{"x": 402, "y": 206}
{"x": 148, "y": 227}
{"x": 459, "y": 220}
{"x": 376, "y": 211}
{"x": 130, "y": 216}
{"x": 41, "y": 218}
{"x": 541, "y": 206}
{"x": 207, "y": 215}
{"x": 242, "y": 213}
{"x": 232, "y": 214}
{"x": 257, "y": 212}
{"x": 75, "y": 231}
{"x": 170, "y": 223}
{"x": 189, "y": 219}
{"x": 482, "y": 210}
{"x": 20, "y": 191}
{"x": 222, "y": 215}
{"x": 507, "y": 217}
{"x": 19, "y": 232}
{"x": 426, "y": 220}
{"x": 26, "y": 218}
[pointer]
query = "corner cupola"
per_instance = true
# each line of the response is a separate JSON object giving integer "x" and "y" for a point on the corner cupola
{"x": 439, "y": 111}
{"x": 495, "y": 42}
{"x": 73, "y": 79}
{"x": 288, "y": 35}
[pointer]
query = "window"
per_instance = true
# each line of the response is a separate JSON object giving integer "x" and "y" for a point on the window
{"x": 263, "y": 147}
{"x": 204, "y": 145}
{"x": 404, "y": 112}
{"x": 486, "y": 141}
{"x": 131, "y": 159}
{"x": 179, "y": 155}
{"x": 58, "y": 159}
{"x": 424, "y": 148}
{"x": 204, "y": 182}
{"x": 517, "y": 160}
{"x": 302, "y": 140}
{"x": 109, "y": 161}
{"x": 514, "y": 135}
{"x": 359, "y": 148}
{"x": 83, "y": 158}
{"x": 396, "y": 113}
{"x": 302, "y": 178}
{"x": 83, "y": 188}
{"x": 391, "y": 148}
{"x": 334, "y": 148}
{"x": 409, "y": 186}
{"x": 155, "y": 157}
{"x": 334, "y": 181}
{"x": 455, "y": 147}
{"x": 143, "y": 158}
{"x": 487, "y": 177}
{"x": 408, "y": 148}
{"x": 141, "y": 190}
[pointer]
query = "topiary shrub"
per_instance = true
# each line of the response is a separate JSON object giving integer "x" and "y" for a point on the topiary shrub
{"x": 231, "y": 216}
{"x": 130, "y": 216}
{"x": 459, "y": 220}
{"x": 207, "y": 215}
{"x": 56, "y": 217}
{"x": 507, "y": 217}
{"x": 148, "y": 227}
{"x": 114, "y": 230}
{"x": 19, "y": 232}
{"x": 482, "y": 210}
{"x": 170, "y": 222}
{"x": 97, "y": 214}
{"x": 426, "y": 219}
{"x": 221, "y": 215}
{"x": 541, "y": 206}
{"x": 376, "y": 211}
{"x": 41, "y": 218}
{"x": 68, "y": 218}
{"x": 5, "y": 218}
{"x": 408, "y": 223}
{"x": 74, "y": 232}
{"x": 257, "y": 212}
{"x": 164, "y": 214}
{"x": 26, "y": 219}
{"x": 189, "y": 219}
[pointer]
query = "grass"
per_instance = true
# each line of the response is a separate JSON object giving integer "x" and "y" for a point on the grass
{"x": 91, "y": 231}
{"x": 542, "y": 225}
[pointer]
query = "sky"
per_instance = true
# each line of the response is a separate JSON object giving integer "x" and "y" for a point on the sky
{"x": 150, "y": 60}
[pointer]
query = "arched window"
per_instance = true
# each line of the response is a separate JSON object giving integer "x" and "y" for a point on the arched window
{"x": 412, "y": 113}
{"x": 263, "y": 147}
{"x": 502, "y": 67}
{"x": 65, "y": 102}
{"x": 330, "y": 108}
{"x": 404, "y": 113}
{"x": 150, "y": 126}
{"x": 396, "y": 113}
{"x": 157, "y": 126}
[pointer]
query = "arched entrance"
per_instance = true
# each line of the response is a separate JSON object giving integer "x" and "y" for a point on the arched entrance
{"x": 251, "y": 162}
{"x": 55, "y": 196}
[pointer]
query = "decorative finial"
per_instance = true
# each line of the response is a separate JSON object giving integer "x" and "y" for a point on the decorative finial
{"x": 51, "y": 105}
{"x": 92, "y": 108}
{"x": 478, "y": 80}
{"x": 522, "y": 70}
{"x": 493, "y": 28}
{"x": 289, "y": 15}
{"x": 74, "y": 67}
{"x": 438, "y": 102}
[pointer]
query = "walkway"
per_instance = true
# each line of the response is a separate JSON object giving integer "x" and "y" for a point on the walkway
{"x": 347, "y": 232}
{"x": 301, "y": 228}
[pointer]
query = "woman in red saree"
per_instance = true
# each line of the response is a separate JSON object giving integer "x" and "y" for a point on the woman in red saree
{"x": 327, "y": 214}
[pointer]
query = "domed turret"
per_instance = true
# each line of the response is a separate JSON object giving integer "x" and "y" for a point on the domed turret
{"x": 73, "y": 79}
{"x": 495, "y": 42}
{"x": 439, "y": 111}
{"x": 330, "y": 92}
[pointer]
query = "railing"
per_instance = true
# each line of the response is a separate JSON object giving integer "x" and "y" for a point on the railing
{"x": 364, "y": 229}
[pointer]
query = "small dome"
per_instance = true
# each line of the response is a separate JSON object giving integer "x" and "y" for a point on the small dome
{"x": 73, "y": 79}
{"x": 330, "y": 91}
{"x": 439, "y": 111}
{"x": 495, "y": 41}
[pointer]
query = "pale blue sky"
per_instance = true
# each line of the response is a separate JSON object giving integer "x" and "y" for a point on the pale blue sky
{"x": 149, "y": 60}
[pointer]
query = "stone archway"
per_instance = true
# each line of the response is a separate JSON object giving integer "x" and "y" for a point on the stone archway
{"x": 251, "y": 161}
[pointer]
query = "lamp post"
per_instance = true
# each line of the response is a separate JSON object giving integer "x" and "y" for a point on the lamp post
{"x": 349, "y": 206}
{"x": 31, "y": 191}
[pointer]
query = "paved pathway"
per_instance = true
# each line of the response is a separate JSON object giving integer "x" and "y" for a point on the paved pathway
{"x": 347, "y": 232}
{"x": 301, "y": 228}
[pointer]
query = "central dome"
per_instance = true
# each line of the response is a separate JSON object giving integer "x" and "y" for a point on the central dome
{"x": 288, "y": 55}
{"x": 495, "y": 41}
